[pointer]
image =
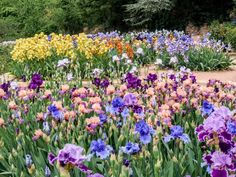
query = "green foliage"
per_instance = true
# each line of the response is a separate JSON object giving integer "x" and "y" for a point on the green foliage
{"x": 231, "y": 37}
{"x": 202, "y": 59}
{"x": 23, "y": 18}
{"x": 143, "y": 11}
{"x": 225, "y": 32}
{"x": 206, "y": 59}
{"x": 5, "y": 59}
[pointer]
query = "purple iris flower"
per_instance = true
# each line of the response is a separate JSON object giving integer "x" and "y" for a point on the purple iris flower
{"x": 97, "y": 82}
{"x": 145, "y": 131}
{"x": 5, "y": 87}
{"x": 207, "y": 108}
{"x": 105, "y": 83}
{"x": 219, "y": 173}
{"x": 133, "y": 81}
{"x": 177, "y": 132}
{"x": 151, "y": 77}
{"x": 70, "y": 155}
{"x": 99, "y": 148}
{"x": 130, "y": 148}
{"x": 218, "y": 163}
{"x": 36, "y": 81}
{"x": 95, "y": 175}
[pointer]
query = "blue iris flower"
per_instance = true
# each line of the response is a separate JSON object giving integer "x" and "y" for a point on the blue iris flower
{"x": 56, "y": 113}
{"x": 177, "y": 132}
{"x": 207, "y": 108}
{"x": 100, "y": 149}
{"x": 145, "y": 131}
{"x": 130, "y": 148}
{"x": 231, "y": 126}
{"x": 117, "y": 102}
{"x": 103, "y": 118}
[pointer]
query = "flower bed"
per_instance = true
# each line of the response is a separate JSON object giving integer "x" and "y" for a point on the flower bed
{"x": 116, "y": 53}
{"x": 163, "y": 125}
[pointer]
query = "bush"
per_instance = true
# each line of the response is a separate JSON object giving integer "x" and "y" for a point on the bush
{"x": 231, "y": 37}
{"x": 5, "y": 59}
{"x": 225, "y": 32}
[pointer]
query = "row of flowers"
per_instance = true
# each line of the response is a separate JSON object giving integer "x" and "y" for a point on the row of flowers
{"x": 163, "y": 125}
{"x": 113, "y": 50}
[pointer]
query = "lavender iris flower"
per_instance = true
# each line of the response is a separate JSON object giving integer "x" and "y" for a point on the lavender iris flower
{"x": 125, "y": 113}
{"x": 177, "y": 132}
{"x": 47, "y": 172}
{"x": 70, "y": 156}
{"x": 130, "y": 99}
{"x": 28, "y": 160}
{"x": 99, "y": 148}
{"x": 145, "y": 131}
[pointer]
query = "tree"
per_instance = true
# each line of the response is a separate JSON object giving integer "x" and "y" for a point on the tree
{"x": 142, "y": 11}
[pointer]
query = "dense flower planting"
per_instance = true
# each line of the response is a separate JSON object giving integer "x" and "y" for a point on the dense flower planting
{"x": 118, "y": 52}
{"x": 162, "y": 125}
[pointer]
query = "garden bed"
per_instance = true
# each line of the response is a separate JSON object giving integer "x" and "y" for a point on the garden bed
{"x": 152, "y": 125}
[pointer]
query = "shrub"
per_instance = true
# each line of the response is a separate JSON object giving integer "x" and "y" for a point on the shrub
{"x": 5, "y": 59}
{"x": 231, "y": 37}
{"x": 225, "y": 32}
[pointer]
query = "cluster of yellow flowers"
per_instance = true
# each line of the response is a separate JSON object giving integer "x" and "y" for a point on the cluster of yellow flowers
{"x": 42, "y": 46}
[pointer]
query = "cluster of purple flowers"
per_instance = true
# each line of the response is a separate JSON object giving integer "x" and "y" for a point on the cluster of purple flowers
{"x": 218, "y": 131}
{"x": 101, "y": 83}
{"x": 151, "y": 77}
{"x": 36, "y": 81}
{"x": 133, "y": 81}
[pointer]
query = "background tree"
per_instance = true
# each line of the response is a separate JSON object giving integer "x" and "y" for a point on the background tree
{"x": 143, "y": 11}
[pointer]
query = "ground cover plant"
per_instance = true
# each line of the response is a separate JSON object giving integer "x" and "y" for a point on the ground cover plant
{"x": 116, "y": 53}
{"x": 161, "y": 125}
